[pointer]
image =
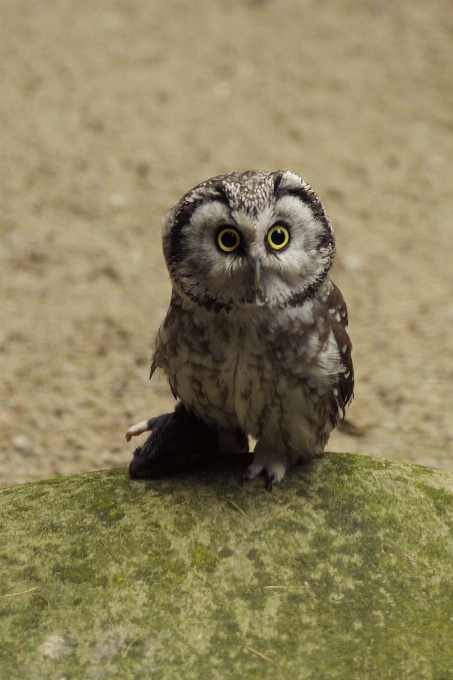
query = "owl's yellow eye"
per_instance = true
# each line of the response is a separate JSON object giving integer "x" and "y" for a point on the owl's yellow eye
{"x": 228, "y": 240}
{"x": 278, "y": 237}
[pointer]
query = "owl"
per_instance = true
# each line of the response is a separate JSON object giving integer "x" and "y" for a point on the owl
{"x": 255, "y": 341}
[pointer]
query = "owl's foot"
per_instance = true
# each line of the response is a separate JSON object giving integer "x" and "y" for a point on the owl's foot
{"x": 273, "y": 463}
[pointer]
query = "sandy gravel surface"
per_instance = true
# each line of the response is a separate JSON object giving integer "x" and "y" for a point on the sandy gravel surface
{"x": 112, "y": 110}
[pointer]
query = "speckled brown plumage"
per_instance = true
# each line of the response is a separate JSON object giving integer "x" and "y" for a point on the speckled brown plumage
{"x": 256, "y": 338}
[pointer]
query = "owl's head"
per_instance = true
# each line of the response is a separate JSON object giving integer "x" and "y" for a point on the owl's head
{"x": 260, "y": 238}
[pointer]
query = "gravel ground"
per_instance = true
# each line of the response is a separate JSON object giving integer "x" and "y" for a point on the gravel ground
{"x": 112, "y": 110}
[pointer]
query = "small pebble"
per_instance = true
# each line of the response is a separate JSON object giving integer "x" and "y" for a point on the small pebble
{"x": 352, "y": 263}
{"x": 22, "y": 443}
{"x": 117, "y": 201}
{"x": 107, "y": 457}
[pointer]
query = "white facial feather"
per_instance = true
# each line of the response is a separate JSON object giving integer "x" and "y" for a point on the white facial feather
{"x": 205, "y": 273}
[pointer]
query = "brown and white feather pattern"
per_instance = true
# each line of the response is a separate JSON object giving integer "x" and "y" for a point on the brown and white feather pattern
{"x": 273, "y": 358}
{"x": 343, "y": 392}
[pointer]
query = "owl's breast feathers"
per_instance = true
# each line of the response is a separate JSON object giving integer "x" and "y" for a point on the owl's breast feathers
{"x": 261, "y": 368}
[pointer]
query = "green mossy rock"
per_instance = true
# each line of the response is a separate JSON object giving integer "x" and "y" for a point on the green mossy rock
{"x": 171, "y": 579}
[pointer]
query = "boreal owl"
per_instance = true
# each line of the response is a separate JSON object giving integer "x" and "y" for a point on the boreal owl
{"x": 255, "y": 341}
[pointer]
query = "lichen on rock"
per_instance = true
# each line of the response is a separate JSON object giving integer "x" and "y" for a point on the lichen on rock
{"x": 344, "y": 571}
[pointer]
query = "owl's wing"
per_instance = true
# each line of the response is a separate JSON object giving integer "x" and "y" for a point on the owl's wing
{"x": 164, "y": 344}
{"x": 343, "y": 382}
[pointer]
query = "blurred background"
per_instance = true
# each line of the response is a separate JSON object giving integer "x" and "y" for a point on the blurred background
{"x": 112, "y": 110}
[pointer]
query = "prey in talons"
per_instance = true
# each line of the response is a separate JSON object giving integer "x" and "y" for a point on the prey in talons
{"x": 179, "y": 442}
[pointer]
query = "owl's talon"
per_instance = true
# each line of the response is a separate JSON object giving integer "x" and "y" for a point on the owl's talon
{"x": 253, "y": 470}
{"x": 245, "y": 477}
{"x": 271, "y": 480}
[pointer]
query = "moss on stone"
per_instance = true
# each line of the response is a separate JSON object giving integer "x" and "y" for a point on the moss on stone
{"x": 171, "y": 578}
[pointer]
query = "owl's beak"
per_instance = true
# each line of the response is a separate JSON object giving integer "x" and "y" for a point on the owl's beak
{"x": 257, "y": 273}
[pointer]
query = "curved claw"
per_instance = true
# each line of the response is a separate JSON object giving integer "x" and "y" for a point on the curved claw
{"x": 271, "y": 480}
{"x": 245, "y": 476}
